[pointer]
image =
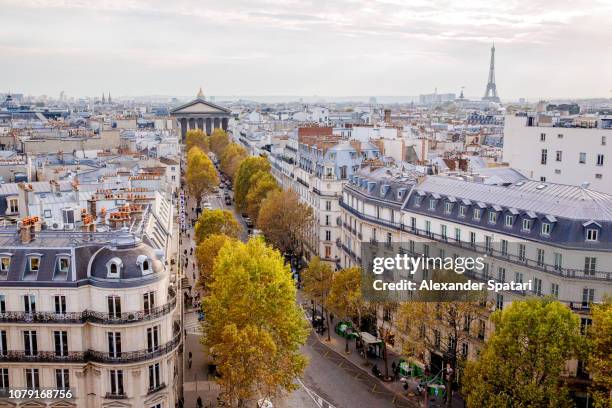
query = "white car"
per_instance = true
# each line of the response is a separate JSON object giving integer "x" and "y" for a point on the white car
{"x": 207, "y": 206}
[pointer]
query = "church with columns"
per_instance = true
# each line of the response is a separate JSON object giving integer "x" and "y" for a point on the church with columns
{"x": 201, "y": 114}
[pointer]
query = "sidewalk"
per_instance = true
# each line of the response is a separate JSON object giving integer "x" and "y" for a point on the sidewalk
{"x": 337, "y": 345}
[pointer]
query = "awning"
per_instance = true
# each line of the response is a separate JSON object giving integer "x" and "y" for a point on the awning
{"x": 369, "y": 339}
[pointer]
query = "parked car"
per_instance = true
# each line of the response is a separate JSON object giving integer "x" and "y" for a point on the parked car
{"x": 207, "y": 206}
{"x": 228, "y": 200}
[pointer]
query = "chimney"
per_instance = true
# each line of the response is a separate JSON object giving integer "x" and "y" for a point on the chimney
{"x": 55, "y": 187}
{"x": 28, "y": 228}
{"x": 24, "y": 199}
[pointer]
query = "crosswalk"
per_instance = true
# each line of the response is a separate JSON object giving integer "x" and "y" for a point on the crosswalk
{"x": 191, "y": 323}
{"x": 321, "y": 403}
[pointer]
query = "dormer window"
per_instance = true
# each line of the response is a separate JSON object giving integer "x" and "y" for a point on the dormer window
{"x": 476, "y": 214}
{"x": 546, "y": 227}
{"x": 417, "y": 201}
{"x": 145, "y": 264}
{"x": 492, "y": 217}
{"x": 63, "y": 264}
{"x": 527, "y": 224}
{"x": 432, "y": 204}
{"x": 5, "y": 263}
{"x": 113, "y": 268}
{"x": 462, "y": 210}
{"x": 34, "y": 263}
{"x": 448, "y": 208}
{"x": 592, "y": 234}
{"x": 509, "y": 220}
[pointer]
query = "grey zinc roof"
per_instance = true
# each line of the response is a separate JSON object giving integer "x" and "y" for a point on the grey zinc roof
{"x": 553, "y": 199}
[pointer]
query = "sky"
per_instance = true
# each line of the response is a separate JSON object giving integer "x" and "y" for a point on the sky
{"x": 544, "y": 48}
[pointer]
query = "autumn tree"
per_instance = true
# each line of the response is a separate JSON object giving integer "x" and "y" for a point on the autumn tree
{"x": 216, "y": 222}
{"x": 218, "y": 141}
{"x": 599, "y": 361}
{"x": 245, "y": 178}
{"x": 200, "y": 176}
{"x": 253, "y": 325}
{"x": 346, "y": 299}
{"x": 442, "y": 321}
{"x": 259, "y": 190}
{"x": 317, "y": 280}
{"x": 522, "y": 362}
{"x": 285, "y": 221}
{"x": 231, "y": 157}
{"x": 196, "y": 137}
{"x": 206, "y": 254}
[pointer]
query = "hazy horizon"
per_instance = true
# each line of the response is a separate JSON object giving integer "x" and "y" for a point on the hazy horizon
{"x": 339, "y": 48}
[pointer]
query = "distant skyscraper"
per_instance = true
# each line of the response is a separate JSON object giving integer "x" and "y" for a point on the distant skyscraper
{"x": 491, "y": 91}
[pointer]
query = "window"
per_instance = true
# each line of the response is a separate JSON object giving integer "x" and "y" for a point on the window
{"x": 60, "y": 304}
{"x": 588, "y": 295}
{"x": 61, "y": 343}
{"x": 4, "y": 378}
{"x": 3, "y": 344}
{"x": 537, "y": 286}
{"x": 114, "y": 307}
{"x": 29, "y": 303}
{"x": 527, "y": 224}
{"x": 327, "y": 251}
{"x": 585, "y": 323}
{"x": 542, "y": 137}
{"x": 62, "y": 378}
{"x": 443, "y": 230}
{"x": 154, "y": 376}
{"x": 518, "y": 277}
{"x": 13, "y": 206}
{"x": 148, "y": 300}
{"x": 68, "y": 215}
{"x": 540, "y": 257}
{"x": 545, "y": 229}
{"x": 485, "y": 270}
{"x": 509, "y": 220}
{"x": 30, "y": 345}
{"x": 389, "y": 238}
{"x": 591, "y": 234}
{"x": 544, "y": 157}
{"x": 559, "y": 155}
{"x": 2, "y": 304}
{"x": 504, "y": 247}
{"x": 328, "y": 235}
{"x": 481, "y": 329}
{"x": 34, "y": 263}
{"x": 432, "y": 204}
{"x": 32, "y": 379}
{"x": 603, "y": 140}
{"x": 558, "y": 261}
{"x": 114, "y": 344}
{"x": 116, "y": 382}
{"x": 560, "y": 136}
{"x": 428, "y": 227}
{"x": 464, "y": 350}
{"x": 542, "y": 178}
{"x": 63, "y": 264}
{"x": 5, "y": 263}
{"x": 327, "y": 205}
{"x": 458, "y": 234}
{"x": 413, "y": 223}
{"x": 417, "y": 201}
{"x": 557, "y": 171}
{"x": 600, "y": 159}
{"x": 598, "y": 175}
{"x": 554, "y": 289}
{"x": 327, "y": 220}
{"x": 437, "y": 339}
{"x": 448, "y": 208}
{"x": 473, "y": 238}
{"x": 462, "y": 210}
{"x": 582, "y": 158}
{"x": 521, "y": 252}
{"x": 153, "y": 339}
{"x": 488, "y": 244}
{"x": 499, "y": 301}
{"x": 501, "y": 274}
{"x": 476, "y": 214}
{"x": 492, "y": 217}
{"x": 113, "y": 267}
{"x": 590, "y": 263}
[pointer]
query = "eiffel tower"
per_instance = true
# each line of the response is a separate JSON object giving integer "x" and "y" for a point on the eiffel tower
{"x": 491, "y": 91}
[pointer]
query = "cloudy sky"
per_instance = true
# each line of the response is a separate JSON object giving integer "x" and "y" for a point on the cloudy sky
{"x": 544, "y": 48}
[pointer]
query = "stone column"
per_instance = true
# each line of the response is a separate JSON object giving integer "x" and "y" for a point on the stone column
{"x": 192, "y": 124}
{"x": 217, "y": 123}
{"x": 200, "y": 122}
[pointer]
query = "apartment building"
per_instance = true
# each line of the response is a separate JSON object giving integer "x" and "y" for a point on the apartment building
{"x": 94, "y": 308}
{"x": 561, "y": 149}
{"x": 554, "y": 236}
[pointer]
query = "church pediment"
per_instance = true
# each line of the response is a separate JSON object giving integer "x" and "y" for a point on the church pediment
{"x": 199, "y": 106}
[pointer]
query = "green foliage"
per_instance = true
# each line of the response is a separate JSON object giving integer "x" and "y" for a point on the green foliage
{"x": 245, "y": 178}
{"x": 253, "y": 325}
{"x": 522, "y": 362}
{"x": 216, "y": 222}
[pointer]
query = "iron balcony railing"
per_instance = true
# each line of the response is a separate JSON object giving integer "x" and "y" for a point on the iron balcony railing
{"x": 88, "y": 316}
{"x": 90, "y": 355}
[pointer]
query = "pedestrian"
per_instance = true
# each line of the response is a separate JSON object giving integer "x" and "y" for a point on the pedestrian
{"x": 331, "y": 318}
{"x": 189, "y": 360}
{"x": 199, "y": 402}
{"x": 185, "y": 251}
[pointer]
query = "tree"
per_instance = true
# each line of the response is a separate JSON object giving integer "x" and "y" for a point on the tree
{"x": 441, "y": 321}
{"x": 345, "y": 298}
{"x": 231, "y": 157}
{"x": 264, "y": 184}
{"x": 249, "y": 167}
{"x": 206, "y": 255}
{"x": 284, "y": 221}
{"x": 216, "y": 222}
{"x": 317, "y": 279}
{"x": 196, "y": 137}
{"x": 218, "y": 141}
{"x": 253, "y": 325}
{"x": 522, "y": 362}
{"x": 599, "y": 362}
{"x": 200, "y": 176}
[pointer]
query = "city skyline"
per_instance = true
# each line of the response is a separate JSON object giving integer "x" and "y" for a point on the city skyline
{"x": 271, "y": 48}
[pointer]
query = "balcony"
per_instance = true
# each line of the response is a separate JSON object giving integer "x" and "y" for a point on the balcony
{"x": 115, "y": 396}
{"x": 88, "y": 316}
{"x": 13, "y": 356}
{"x": 153, "y": 390}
